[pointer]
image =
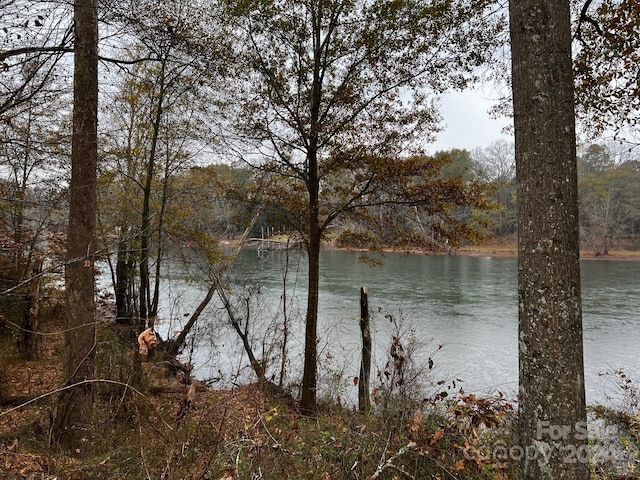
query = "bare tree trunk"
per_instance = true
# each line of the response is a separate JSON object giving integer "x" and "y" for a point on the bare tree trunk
{"x": 145, "y": 233}
{"x": 124, "y": 280}
{"x": 74, "y": 417}
{"x": 285, "y": 322}
{"x": 258, "y": 367}
{"x": 30, "y": 325}
{"x": 308, "y": 398}
{"x": 174, "y": 346}
{"x": 155, "y": 300}
{"x": 552, "y": 411}
{"x": 309, "y": 378}
{"x": 364, "y": 402}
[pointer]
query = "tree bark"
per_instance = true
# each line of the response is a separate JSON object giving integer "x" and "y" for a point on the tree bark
{"x": 364, "y": 402}
{"x": 309, "y": 375}
{"x": 124, "y": 280}
{"x": 309, "y": 378}
{"x": 30, "y": 324}
{"x": 74, "y": 416}
{"x": 145, "y": 230}
{"x": 552, "y": 412}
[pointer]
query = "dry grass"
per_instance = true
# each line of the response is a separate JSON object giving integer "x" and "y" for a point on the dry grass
{"x": 238, "y": 433}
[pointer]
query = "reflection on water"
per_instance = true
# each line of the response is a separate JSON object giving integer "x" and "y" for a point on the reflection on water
{"x": 466, "y": 304}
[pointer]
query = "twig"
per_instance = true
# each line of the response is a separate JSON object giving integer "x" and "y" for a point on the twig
{"x": 389, "y": 463}
{"x": 84, "y": 382}
{"x": 144, "y": 463}
{"x": 276, "y": 444}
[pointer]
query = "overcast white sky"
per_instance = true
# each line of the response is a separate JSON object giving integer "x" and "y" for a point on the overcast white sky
{"x": 468, "y": 124}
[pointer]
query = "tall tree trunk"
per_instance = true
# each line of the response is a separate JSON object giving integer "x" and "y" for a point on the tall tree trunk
{"x": 145, "y": 233}
{"x": 155, "y": 300}
{"x": 75, "y": 405}
{"x": 309, "y": 376}
{"x": 552, "y": 412}
{"x": 364, "y": 402}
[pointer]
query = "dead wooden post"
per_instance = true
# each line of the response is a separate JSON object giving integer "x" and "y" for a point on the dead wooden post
{"x": 364, "y": 402}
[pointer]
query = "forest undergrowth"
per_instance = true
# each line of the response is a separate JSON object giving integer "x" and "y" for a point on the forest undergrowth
{"x": 151, "y": 429}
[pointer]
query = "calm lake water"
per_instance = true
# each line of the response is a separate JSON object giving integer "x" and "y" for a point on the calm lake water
{"x": 468, "y": 305}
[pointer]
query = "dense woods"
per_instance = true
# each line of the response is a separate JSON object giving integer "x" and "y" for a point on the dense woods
{"x": 137, "y": 136}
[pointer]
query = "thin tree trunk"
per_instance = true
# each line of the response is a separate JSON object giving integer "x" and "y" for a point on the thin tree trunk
{"x": 173, "y": 347}
{"x": 30, "y": 325}
{"x": 74, "y": 416}
{"x": 145, "y": 234}
{"x": 155, "y": 299}
{"x": 285, "y": 321}
{"x": 364, "y": 402}
{"x": 123, "y": 279}
{"x": 309, "y": 378}
{"x": 258, "y": 367}
{"x": 551, "y": 401}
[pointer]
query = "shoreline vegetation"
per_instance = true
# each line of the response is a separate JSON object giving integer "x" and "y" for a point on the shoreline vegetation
{"x": 510, "y": 250}
{"x": 492, "y": 248}
{"x": 166, "y": 429}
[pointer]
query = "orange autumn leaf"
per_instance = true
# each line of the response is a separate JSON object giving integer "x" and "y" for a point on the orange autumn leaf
{"x": 229, "y": 474}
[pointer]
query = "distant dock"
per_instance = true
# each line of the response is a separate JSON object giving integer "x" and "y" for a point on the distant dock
{"x": 273, "y": 244}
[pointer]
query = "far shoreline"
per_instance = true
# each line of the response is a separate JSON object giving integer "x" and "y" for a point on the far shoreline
{"x": 511, "y": 251}
{"x": 503, "y": 251}
{"x": 497, "y": 249}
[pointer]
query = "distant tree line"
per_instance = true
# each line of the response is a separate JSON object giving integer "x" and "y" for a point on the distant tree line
{"x": 608, "y": 192}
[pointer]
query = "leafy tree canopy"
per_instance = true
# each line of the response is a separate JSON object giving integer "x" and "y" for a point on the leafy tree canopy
{"x": 607, "y": 64}
{"x": 337, "y": 99}
{"x": 338, "y": 91}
